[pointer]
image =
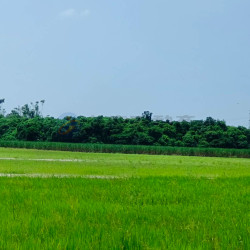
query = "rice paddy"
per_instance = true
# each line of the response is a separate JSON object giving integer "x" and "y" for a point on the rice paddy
{"x": 73, "y": 200}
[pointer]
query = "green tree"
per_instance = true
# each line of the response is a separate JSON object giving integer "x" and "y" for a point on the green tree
{"x": 147, "y": 116}
{"x": 2, "y": 111}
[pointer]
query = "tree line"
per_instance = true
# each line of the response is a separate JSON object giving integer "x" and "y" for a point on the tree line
{"x": 26, "y": 123}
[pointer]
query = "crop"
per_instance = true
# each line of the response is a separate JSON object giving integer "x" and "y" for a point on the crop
{"x": 128, "y": 149}
{"x": 156, "y": 202}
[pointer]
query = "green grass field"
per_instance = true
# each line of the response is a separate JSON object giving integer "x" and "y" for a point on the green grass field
{"x": 142, "y": 201}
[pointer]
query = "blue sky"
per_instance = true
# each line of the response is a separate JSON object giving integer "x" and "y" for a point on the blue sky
{"x": 118, "y": 57}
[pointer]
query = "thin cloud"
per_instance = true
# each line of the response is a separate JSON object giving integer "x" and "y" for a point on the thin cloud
{"x": 68, "y": 13}
{"x": 85, "y": 12}
{"x": 72, "y": 13}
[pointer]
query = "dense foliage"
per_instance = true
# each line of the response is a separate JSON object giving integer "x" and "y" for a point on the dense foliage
{"x": 26, "y": 124}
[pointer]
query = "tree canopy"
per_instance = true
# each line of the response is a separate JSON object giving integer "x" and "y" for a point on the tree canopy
{"x": 27, "y": 123}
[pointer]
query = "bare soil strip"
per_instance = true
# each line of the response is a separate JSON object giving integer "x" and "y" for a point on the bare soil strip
{"x": 60, "y": 176}
{"x": 49, "y": 160}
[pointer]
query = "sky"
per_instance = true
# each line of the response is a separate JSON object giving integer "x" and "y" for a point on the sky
{"x": 122, "y": 57}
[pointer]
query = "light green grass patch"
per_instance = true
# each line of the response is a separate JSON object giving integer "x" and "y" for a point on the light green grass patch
{"x": 29, "y": 161}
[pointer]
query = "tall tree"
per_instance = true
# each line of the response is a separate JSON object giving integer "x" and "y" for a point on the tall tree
{"x": 2, "y": 111}
{"x": 147, "y": 115}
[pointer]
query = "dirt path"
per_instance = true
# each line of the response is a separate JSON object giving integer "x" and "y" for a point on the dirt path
{"x": 49, "y": 160}
{"x": 60, "y": 176}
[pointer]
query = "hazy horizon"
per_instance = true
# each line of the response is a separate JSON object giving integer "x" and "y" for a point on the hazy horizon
{"x": 121, "y": 58}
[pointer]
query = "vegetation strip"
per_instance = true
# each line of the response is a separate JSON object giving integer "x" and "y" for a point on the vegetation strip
{"x": 27, "y": 124}
{"x": 128, "y": 149}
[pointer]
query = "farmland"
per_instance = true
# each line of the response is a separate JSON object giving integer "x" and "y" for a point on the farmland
{"x": 115, "y": 201}
{"x": 128, "y": 149}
